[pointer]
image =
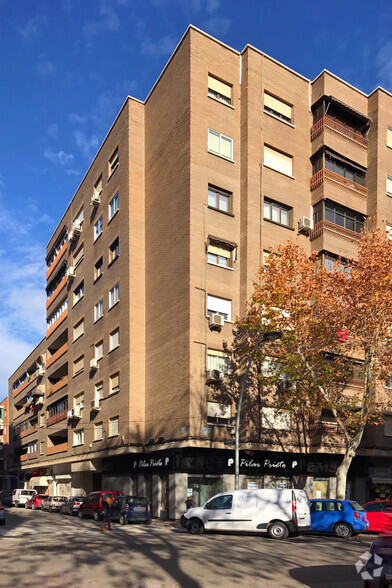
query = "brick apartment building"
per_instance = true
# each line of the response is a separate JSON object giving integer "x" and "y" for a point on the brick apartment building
{"x": 230, "y": 155}
{"x": 5, "y": 477}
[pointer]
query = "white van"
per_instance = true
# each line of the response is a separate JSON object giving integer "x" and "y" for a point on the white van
{"x": 277, "y": 512}
{"x": 20, "y": 496}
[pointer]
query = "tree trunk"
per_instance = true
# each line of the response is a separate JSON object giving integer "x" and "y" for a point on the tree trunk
{"x": 341, "y": 472}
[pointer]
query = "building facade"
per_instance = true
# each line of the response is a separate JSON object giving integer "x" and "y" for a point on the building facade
{"x": 230, "y": 155}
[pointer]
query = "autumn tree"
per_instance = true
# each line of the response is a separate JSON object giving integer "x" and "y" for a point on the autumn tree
{"x": 316, "y": 307}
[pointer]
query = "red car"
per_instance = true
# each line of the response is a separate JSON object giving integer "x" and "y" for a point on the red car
{"x": 379, "y": 515}
{"x": 36, "y": 501}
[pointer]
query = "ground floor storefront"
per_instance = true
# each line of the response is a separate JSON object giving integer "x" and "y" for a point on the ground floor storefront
{"x": 168, "y": 477}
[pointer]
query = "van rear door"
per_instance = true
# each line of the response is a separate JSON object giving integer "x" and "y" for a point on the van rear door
{"x": 302, "y": 508}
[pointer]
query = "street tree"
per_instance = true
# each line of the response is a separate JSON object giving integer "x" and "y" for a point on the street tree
{"x": 333, "y": 318}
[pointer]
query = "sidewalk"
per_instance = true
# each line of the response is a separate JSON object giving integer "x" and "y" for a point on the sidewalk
{"x": 160, "y": 523}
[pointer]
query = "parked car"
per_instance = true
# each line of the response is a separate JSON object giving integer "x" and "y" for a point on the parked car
{"x": 379, "y": 564}
{"x": 20, "y": 496}
{"x": 129, "y": 509}
{"x": 92, "y": 504}
{"x": 2, "y": 515}
{"x": 276, "y": 512}
{"x": 53, "y": 503}
{"x": 6, "y": 497}
{"x": 71, "y": 505}
{"x": 379, "y": 515}
{"x": 343, "y": 518}
{"x": 36, "y": 501}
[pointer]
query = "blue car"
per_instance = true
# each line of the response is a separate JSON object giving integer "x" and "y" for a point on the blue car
{"x": 343, "y": 518}
{"x": 131, "y": 509}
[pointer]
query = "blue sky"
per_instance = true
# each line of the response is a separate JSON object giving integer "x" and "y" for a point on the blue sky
{"x": 66, "y": 69}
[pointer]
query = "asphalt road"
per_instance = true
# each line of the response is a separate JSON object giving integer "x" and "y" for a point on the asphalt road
{"x": 48, "y": 550}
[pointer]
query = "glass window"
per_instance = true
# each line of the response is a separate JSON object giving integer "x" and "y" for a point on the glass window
{"x": 114, "y": 250}
{"x": 219, "y": 90}
{"x": 78, "y": 330}
{"x": 98, "y": 350}
{"x": 218, "y": 413}
{"x": 389, "y": 185}
{"x": 218, "y": 360}
{"x": 277, "y": 107}
{"x": 220, "y": 144}
{"x": 98, "y": 267}
{"x": 114, "y": 339}
{"x": 79, "y": 401}
{"x": 78, "y": 365}
{"x": 113, "y": 426}
{"x": 278, "y": 160}
{"x": 98, "y": 431}
{"x": 98, "y": 390}
{"x": 114, "y": 383}
{"x": 277, "y": 213}
{"x": 79, "y": 437}
{"x": 113, "y": 206}
{"x": 113, "y": 161}
{"x": 98, "y": 228}
{"x": 220, "y": 254}
{"x": 78, "y": 292}
{"x": 114, "y": 295}
{"x": 220, "y": 306}
{"x": 219, "y": 199}
{"x": 98, "y": 310}
{"x": 220, "y": 502}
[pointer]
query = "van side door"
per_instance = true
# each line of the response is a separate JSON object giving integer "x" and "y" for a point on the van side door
{"x": 218, "y": 513}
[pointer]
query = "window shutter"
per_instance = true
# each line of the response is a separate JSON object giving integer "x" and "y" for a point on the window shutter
{"x": 222, "y": 251}
{"x": 389, "y": 137}
{"x": 219, "y": 87}
{"x": 278, "y": 161}
{"x": 277, "y": 105}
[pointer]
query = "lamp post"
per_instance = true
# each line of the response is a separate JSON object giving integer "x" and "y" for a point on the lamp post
{"x": 264, "y": 336}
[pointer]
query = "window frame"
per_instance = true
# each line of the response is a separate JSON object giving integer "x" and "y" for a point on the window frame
{"x": 98, "y": 226}
{"x": 78, "y": 438}
{"x": 114, "y": 251}
{"x": 79, "y": 288}
{"x": 114, "y": 295}
{"x": 111, "y": 337}
{"x": 218, "y": 96}
{"x": 113, "y": 162}
{"x": 96, "y": 347}
{"x": 280, "y": 170}
{"x": 220, "y": 299}
{"x": 97, "y": 427}
{"x": 98, "y": 306}
{"x": 112, "y": 421}
{"x": 79, "y": 323}
{"x": 98, "y": 269}
{"x": 111, "y": 378}
{"x": 281, "y": 207}
{"x": 220, "y": 194}
{"x": 220, "y": 136}
{"x": 81, "y": 369}
{"x": 276, "y": 113}
{"x": 112, "y": 211}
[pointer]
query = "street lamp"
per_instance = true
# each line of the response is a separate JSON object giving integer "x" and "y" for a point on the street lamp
{"x": 264, "y": 336}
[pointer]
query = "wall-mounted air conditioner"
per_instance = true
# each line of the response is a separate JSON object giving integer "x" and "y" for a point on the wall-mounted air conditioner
{"x": 216, "y": 321}
{"x": 214, "y": 376}
{"x": 94, "y": 364}
{"x": 41, "y": 370}
{"x": 305, "y": 224}
{"x": 71, "y": 236}
{"x": 77, "y": 227}
{"x": 71, "y": 273}
{"x": 95, "y": 405}
{"x": 95, "y": 199}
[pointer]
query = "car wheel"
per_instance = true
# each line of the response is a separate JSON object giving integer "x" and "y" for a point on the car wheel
{"x": 33, "y": 507}
{"x": 278, "y": 530}
{"x": 96, "y": 516}
{"x": 342, "y": 530}
{"x": 122, "y": 520}
{"x": 80, "y": 514}
{"x": 195, "y": 527}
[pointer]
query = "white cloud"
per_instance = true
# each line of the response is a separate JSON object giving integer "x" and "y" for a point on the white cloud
{"x": 88, "y": 146}
{"x": 216, "y": 26}
{"x": 163, "y": 46}
{"x": 33, "y": 27}
{"x": 53, "y": 130}
{"x": 384, "y": 65}
{"x": 109, "y": 21}
{"x": 60, "y": 157}
{"x": 45, "y": 68}
{"x": 13, "y": 352}
{"x": 76, "y": 118}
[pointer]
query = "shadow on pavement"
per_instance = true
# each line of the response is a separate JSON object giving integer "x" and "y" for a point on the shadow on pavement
{"x": 327, "y": 576}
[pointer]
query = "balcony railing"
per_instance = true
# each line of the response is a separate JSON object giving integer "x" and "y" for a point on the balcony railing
{"x": 57, "y": 322}
{"x": 32, "y": 455}
{"x": 31, "y": 379}
{"x": 329, "y": 123}
{"x": 60, "y": 416}
{"x": 326, "y": 174}
{"x": 60, "y": 384}
{"x": 55, "y": 263}
{"x": 325, "y": 225}
{"x": 63, "y": 349}
{"x": 57, "y": 448}
{"x": 56, "y": 291}
{"x": 23, "y": 457}
{"x": 26, "y": 432}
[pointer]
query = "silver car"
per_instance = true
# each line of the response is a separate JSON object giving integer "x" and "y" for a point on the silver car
{"x": 53, "y": 503}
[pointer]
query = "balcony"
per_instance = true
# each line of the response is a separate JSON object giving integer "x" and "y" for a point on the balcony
{"x": 27, "y": 432}
{"x": 22, "y": 387}
{"x": 32, "y": 455}
{"x": 56, "y": 292}
{"x": 57, "y": 323}
{"x": 57, "y": 448}
{"x": 331, "y": 178}
{"x": 23, "y": 457}
{"x": 63, "y": 349}
{"x": 326, "y": 226}
{"x": 55, "y": 263}
{"x": 56, "y": 418}
{"x": 327, "y": 122}
{"x": 57, "y": 386}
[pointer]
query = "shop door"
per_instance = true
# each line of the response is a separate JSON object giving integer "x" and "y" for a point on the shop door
{"x": 203, "y": 488}
{"x": 320, "y": 488}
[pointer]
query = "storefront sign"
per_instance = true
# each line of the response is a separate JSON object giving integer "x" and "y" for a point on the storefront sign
{"x": 265, "y": 464}
{"x": 151, "y": 463}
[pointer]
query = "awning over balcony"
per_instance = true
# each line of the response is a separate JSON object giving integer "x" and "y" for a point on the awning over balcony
{"x": 366, "y": 119}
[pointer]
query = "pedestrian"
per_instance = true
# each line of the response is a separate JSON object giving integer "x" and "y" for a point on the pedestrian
{"x": 190, "y": 502}
{"x": 106, "y": 513}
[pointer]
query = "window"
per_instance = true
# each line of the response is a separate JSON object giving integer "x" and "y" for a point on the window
{"x": 98, "y": 186}
{"x": 389, "y": 185}
{"x": 277, "y": 108}
{"x": 114, "y": 295}
{"x": 339, "y": 165}
{"x": 220, "y": 502}
{"x": 389, "y": 137}
{"x": 57, "y": 313}
{"x": 78, "y": 293}
{"x": 113, "y": 161}
{"x": 219, "y": 90}
{"x": 114, "y": 339}
{"x": 220, "y": 306}
{"x": 79, "y": 437}
{"x": 113, "y": 206}
{"x": 79, "y": 401}
{"x": 278, "y": 161}
{"x": 42, "y": 448}
{"x": 339, "y": 215}
{"x": 114, "y": 250}
{"x": 98, "y": 391}
{"x": 218, "y": 414}
{"x": 277, "y": 213}
{"x": 98, "y": 350}
{"x": 78, "y": 256}
{"x": 273, "y": 418}
{"x": 78, "y": 365}
{"x": 98, "y": 267}
{"x": 266, "y": 255}
{"x": 79, "y": 217}
{"x": 57, "y": 407}
{"x": 98, "y": 431}
{"x": 220, "y": 144}
{"x": 220, "y": 253}
{"x": 78, "y": 329}
{"x": 218, "y": 360}
{"x": 388, "y": 229}
{"x": 98, "y": 228}
{"x": 98, "y": 310}
{"x": 219, "y": 199}
{"x": 114, "y": 383}
{"x": 113, "y": 426}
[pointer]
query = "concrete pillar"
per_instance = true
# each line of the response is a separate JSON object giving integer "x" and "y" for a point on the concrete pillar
{"x": 156, "y": 496}
{"x": 178, "y": 484}
{"x": 228, "y": 482}
{"x": 332, "y": 488}
{"x": 141, "y": 485}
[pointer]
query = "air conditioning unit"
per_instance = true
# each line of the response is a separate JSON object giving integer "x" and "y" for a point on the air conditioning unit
{"x": 74, "y": 413}
{"x": 305, "y": 224}
{"x": 70, "y": 413}
{"x": 39, "y": 400}
{"x": 216, "y": 321}
{"x": 95, "y": 199}
{"x": 71, "y": 236}
{"x": 77, "y": 227}
{"x": 285, "y": 384}
{"x": 214, "y": 376}
{"x": 41, "y": 370}
{"x": 71, "y": 272}
{"x": 95, "y": 405}
{"x": 94, "y": 364}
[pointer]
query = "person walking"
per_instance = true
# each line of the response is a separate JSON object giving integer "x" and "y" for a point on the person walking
{"x": 106, "y": 513}
{"x": 190, "y": 502}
